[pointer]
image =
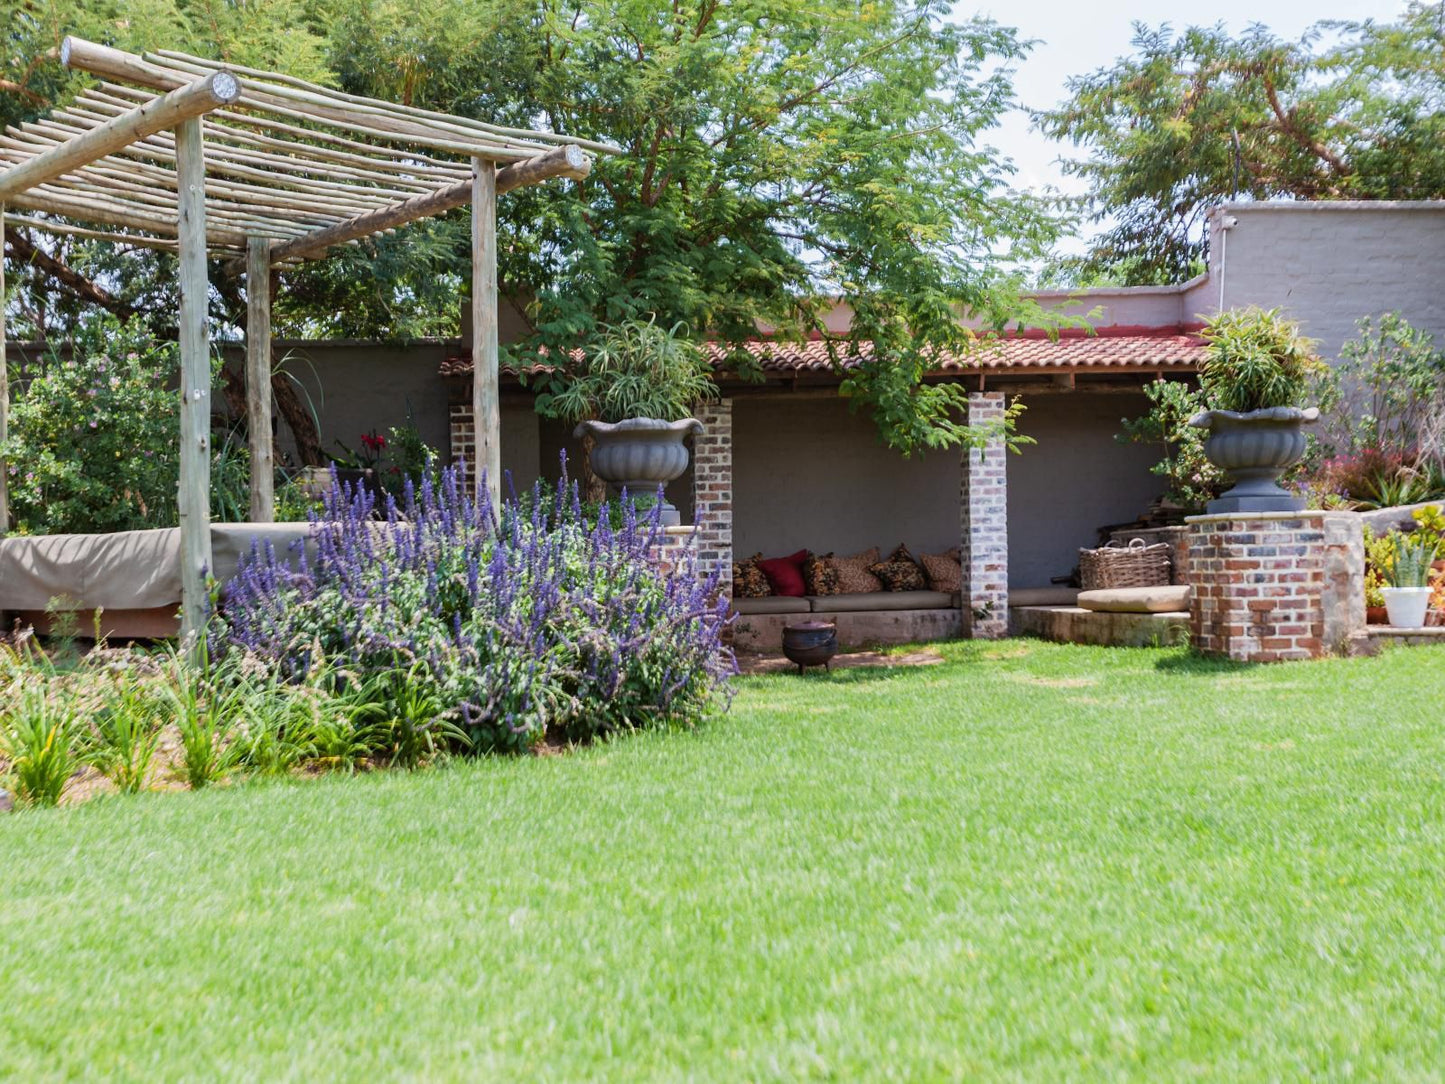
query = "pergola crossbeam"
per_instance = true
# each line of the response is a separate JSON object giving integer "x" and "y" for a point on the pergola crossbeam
{"x": 566, "y": 161}
{"x": 219, "y": 88}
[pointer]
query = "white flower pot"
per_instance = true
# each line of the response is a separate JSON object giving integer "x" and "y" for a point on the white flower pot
{"x": 1406, "y": 606}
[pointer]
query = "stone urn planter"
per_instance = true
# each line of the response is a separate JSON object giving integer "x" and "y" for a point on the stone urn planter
{"x": 1255, "y": 449}
{"x": 640, "y": 454}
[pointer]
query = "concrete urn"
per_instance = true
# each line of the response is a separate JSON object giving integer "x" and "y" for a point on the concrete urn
{"x": 1255, "y": 448}
{"x": 640, "y": 454}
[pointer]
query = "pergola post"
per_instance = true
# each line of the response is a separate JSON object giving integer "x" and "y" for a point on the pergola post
{"x": 258, "y": 378}
{"x": 4, "y": 390}
{"x": 194, "y": 497}
{"x": 486, "y": 411}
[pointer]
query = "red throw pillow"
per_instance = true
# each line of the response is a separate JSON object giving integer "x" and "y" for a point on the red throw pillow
{"x": 785, "y": 574}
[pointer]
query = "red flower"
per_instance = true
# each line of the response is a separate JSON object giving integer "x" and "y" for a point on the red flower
{"x": 373, "y": 441}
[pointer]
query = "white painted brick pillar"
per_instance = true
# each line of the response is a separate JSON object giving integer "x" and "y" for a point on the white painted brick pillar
{"x": 712, "y": 488}
{"x": 984, "y": 549}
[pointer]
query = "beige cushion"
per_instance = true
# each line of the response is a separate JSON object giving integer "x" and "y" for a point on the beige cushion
{"x": 771, "y": 604}
{"x": 1042, "y": 596}
{"x": 884, "y": 600}
{"x": 1172, "y": 598}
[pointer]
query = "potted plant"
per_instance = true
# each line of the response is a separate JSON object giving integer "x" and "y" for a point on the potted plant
{"x": 1407, "y": 597}
{"x": 1256, "y": 374}
{"x": 632, "y": 394}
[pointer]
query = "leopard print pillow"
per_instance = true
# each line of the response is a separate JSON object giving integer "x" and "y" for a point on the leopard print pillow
{"x": 900, "y": 572}
{"x": 749, "y": 580}
{"x": 819, "y": 575}
{"x": 853, "y": 575}
{"x": 944, "y": 571}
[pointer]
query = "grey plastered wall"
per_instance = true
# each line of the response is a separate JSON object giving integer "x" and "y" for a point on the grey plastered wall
{"x": 1076, "y": 479}
{"x": 1327, "y": 264}
{"x": 807, "y": 474}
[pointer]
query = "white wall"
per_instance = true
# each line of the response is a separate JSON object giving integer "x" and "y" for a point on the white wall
{"x": 1327, "y": 264}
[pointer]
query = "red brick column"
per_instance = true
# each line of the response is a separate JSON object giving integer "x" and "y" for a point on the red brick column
{"x": 1271, "y": 587}
{"x": 463, "y": 436}
{"x": 984, "y": 549}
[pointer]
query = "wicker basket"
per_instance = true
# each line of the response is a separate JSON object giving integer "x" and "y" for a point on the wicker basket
{"x": 1117, "y": 565}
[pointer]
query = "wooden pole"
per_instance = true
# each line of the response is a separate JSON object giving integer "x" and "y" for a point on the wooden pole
{"x": 156, "y": 115}
{"x": 4, "y": 389}
{"x": 258, "y": 378}
{"x": 486, "y": 411}
{"x": 562, "y": 162}
{"x": 194, "y": 497}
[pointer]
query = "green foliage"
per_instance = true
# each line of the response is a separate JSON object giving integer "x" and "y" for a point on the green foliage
{"x": 635, "y": 369}
{"x": 776, "y": 152}
{"x": 401, "y": 713}
{"x": 1256, "y": 359}
{"x": 94, "y": 431}
{"x": 126, "y": 732}
{"x": 1351, "y": 111}
{"x": 1192, "y": 479}
{"x": 1410, "y": 560}
{"x": 39, "y": 737}
{"x": 93, "y": 437}
{"x": 205, "y": 705}
{"x": 1393, "y": 384}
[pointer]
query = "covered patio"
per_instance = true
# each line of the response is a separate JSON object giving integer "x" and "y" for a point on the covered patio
{"x": 264, "y": 171}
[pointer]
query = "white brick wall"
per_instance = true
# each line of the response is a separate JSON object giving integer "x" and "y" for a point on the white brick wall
{"x": 984, "y": 548}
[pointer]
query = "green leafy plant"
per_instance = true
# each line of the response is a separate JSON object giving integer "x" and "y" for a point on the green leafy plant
{"x": 275, "y": 725}
{"x": 635, "y": 369}
{"x": 1192, "y": 479}
{"x": 403, "y": 717}
{"x": 126, "y": 733}
{"x": 1256, "y": 359}
{"x": 204, "y": 706}
{"x": 40, "y": 738}
{"x": 1410, "y": 560}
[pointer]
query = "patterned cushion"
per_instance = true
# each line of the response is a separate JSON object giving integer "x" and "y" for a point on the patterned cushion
{"x": 748, "y": 579}
{"x": 853, "y": 575}
{"x": 819, "y": 575}
{"x": 900, "y": 572}
{"x": 944, "y": 571}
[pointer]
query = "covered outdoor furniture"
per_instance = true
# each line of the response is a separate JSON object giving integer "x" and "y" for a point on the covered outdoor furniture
{"x": 1168, "y": 598}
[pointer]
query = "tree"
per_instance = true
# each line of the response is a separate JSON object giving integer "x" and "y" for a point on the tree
{"x": 1354, "y": 110}
{"x": 778, "y": 152}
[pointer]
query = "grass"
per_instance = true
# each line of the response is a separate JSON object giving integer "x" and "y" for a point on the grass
{"x": 1032, "y": 862}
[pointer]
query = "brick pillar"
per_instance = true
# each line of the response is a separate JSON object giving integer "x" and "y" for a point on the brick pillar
{"x": 463, "y": 436}
{"x": 1275, "y": 586}
{"x": 984, "y": 552}
{"x": 712, "y": 487}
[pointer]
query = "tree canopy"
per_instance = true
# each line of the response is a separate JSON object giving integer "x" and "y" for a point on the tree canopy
{"x": 778, "y": 153}
{"x": 1353, "y": 110}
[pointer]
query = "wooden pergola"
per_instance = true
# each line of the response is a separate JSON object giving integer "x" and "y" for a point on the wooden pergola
{"x": 178, "y": 152}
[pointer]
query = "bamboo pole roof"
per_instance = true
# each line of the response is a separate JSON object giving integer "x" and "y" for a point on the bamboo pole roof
{"x": 299, "y": 164}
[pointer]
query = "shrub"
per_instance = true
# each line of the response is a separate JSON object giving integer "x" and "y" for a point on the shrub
{"x": 93, "y": 444}
{"x": 1256, "y": 359}
{"x": 1192, "y": 479}
{"x": 126, "y": 732}
{"x": 455, "y": 627}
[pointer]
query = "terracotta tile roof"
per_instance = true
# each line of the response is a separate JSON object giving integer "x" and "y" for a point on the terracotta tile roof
{"x": 1115, "y": 348}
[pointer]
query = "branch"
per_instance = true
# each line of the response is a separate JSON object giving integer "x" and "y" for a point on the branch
{"x": 1314, "y": 146}
{"x": 86, "y": 289}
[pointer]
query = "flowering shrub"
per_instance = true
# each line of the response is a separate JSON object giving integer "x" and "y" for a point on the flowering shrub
{"x": 514, "y": 624}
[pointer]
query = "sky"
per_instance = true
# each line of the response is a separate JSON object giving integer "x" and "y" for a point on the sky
{"x": 1075, "y": 37}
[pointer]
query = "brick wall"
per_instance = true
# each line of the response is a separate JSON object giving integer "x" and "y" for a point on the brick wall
{"x": 984, "y": 548}
{"x": 463, "y": 437}
{"x": 712, "y": 482}
{"x": 1275, "y": 587}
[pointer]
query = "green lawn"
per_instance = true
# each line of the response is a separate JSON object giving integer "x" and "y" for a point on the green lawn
{"x": 1034, "y": 862}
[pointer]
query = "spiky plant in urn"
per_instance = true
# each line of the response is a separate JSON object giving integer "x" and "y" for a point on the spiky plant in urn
{"x": 1257, "y": 372}
{"x": 631, "y": 393}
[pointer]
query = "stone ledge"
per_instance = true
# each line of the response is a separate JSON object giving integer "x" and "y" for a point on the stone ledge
{"x": 1075, "y": 625}
{"x": 1374, "y": 637}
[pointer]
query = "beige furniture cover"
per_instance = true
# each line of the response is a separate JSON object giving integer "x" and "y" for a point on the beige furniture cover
{"x": 127, "y": 570}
